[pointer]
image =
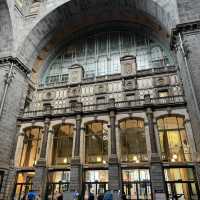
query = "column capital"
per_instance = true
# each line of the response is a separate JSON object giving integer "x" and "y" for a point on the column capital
{"x": 16, "y": 62}
{"x": 183, "y": 28}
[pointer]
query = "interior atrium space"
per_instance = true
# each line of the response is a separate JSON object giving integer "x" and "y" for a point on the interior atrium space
{"x": 99, "y": 100}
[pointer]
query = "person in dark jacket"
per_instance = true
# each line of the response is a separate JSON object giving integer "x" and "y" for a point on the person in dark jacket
{"x": 91, "y": 196}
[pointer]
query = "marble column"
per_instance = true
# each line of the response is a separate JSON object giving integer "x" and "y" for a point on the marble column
{"x": 76, "y": 166}
{"x": 115, "y": 184}
{"x": 41, "y": 170}
{"x": 156, "y": 170}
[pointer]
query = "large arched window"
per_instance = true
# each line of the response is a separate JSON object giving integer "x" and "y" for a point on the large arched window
{"x": 133, "y": 140}
{"x": 31, "y": 146}
{"x": 62, "y": 144}
{"x": 173, "y": 139}
{"x": 96, "y": 142}
{"x": 99, "y": 54}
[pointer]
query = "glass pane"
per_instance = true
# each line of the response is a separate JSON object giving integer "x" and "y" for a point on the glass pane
{"x": 96, "y": 136}
{"x": 133, "y": 141}
{"x": 96, "y": 176}
{"x": 31, "y": 147}
{"x": 62, "y": 144}
{"x": 176, "y": 174}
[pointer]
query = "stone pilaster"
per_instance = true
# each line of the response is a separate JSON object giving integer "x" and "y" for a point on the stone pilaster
{"x": 156, "y": 170}
{"x": 114, "y": 166}
{"x": 10, "y": 184}
{"x": 13, "y": 77}
{"x": 185, "y": 41}
{"x": 76, "y": 166}
{"x": 40, "y": 179}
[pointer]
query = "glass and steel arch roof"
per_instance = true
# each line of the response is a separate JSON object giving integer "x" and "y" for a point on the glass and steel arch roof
{"x": 100, "y": 54}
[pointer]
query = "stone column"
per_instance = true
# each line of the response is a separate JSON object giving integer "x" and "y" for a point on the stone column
{"x": 156, "y": 170}
{"x": 115, "y": 184}
{"x": 185, "y": 41}
{"x": 41, "y": 170}
{"x": 10, "y": 185}
{"x": 76, "y": 176}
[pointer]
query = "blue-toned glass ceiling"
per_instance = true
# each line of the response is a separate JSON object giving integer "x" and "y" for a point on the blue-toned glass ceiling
{"x": 100, "y": 54}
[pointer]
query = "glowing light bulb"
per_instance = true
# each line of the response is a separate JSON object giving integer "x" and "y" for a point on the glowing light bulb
{"x": 104, "y": 162}
{"x": 65, "y": 160}
{"x": 173, "y": 160}
{"x": 174, "y": 156}
{"x": 137, "y": 161}
{"x": 135, "y": 158}
{"x": 98, "y": 159}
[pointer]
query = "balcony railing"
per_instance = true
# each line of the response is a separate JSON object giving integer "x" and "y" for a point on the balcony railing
{"x": 139, "y": 103}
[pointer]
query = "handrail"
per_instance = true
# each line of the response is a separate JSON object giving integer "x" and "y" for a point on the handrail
{"x": 104, "y": 106}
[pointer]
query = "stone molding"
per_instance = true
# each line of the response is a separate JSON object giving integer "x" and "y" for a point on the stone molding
{"x": 183, "y": 28}
{"x": 17, "y": 63}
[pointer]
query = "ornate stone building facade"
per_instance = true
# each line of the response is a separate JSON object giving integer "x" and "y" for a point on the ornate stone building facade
{"x": 100, "y": 96}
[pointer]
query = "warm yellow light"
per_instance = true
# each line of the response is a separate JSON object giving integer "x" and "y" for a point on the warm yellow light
{"x": 137, "y": 161}
{"x": 104, "y": 162}
{"x": 65, "y": 160}
{"x": 135, "y": 158}
{"x": 98, "y": 159}
{"x": 174, "y": 156}
{"x": 173, "y": 160}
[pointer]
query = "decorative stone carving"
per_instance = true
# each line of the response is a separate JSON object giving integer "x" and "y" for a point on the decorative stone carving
{"x": 76, "y": 73}
{"x": 130, "y": 84}
{"x": 74, "y": 92}
{"x": 161, "y": 81}
{"x": 101, "y": 88}
{"x": 48, "y": 96}
{"x": 128, "y": 65}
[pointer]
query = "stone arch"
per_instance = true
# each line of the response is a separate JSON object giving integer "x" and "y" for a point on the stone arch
{"x": 76, "y": 15}
{"x": 6, "y": 33}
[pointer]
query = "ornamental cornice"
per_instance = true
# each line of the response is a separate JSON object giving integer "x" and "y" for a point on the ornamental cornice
{"x": 17, "y": 62}
{"x": 183, "y": 28}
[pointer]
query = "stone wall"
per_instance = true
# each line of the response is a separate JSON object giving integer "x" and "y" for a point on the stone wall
{"x": 13, "y": 103}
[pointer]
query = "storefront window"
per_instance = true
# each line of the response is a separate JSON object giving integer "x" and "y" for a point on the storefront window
{"x": 96, "y": 183}
{"x": 181, "y": 183}
{"x": 136, "y": 184}
{"x": 23, "y": 184}
{"x": 133, "y": 140}
{"x": 173, "y": 139}
{"x": 62, "y": 144}
{"x": 96, "y": 136}
{"x": 31, "y": 146}
{"x": 58, "y": 183}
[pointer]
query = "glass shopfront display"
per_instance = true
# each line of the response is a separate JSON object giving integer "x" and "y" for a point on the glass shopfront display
{"x": 58, "y": 183}
{"x": 24, "y": 182}
{"x": 181, "y": 184}
{"x": 136, "y": 184}
{"x": 96, "y": 183}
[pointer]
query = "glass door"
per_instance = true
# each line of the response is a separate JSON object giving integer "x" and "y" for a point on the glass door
{"x": 58, "y": 184}
{"x": 96, "y": 183}
{"x": 181, "y": 184}
{"x": 23, "y": 185}
{"x": 136, "y": 184}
